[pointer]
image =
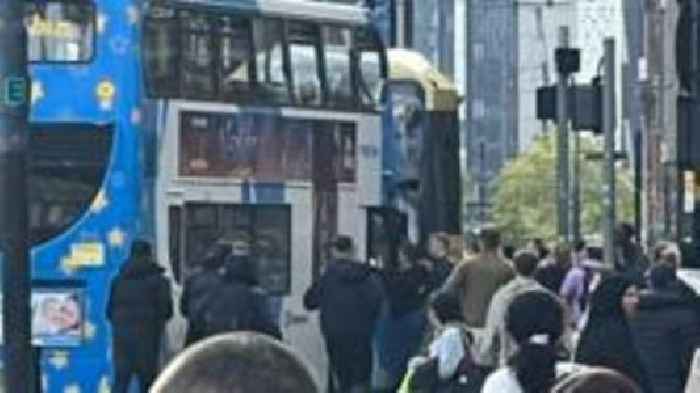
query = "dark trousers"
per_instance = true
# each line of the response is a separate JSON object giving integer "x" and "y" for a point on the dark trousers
{"x": 350, "y": 363}
{"x": 135, "y": 356}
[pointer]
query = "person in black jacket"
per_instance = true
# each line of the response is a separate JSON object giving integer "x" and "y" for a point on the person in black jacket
{"x": 551, "y": 274}
{"x": 207, "y": 274}
{"x": 237, "y": 303}
{"x": 404, "y": 322}
{"x": 630, "y": 260}
{"x": 349, "y": 297}
{"x": 607, "y": 339}
{"x": 438, "y": 264}
{"x": 139, "y": 305}
{"x": 667, "y": 331}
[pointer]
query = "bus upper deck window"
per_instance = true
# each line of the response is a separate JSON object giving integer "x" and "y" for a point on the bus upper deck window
{"x": 271, "y": 77}
{"x": 235, "y": 53}
{"x": 160, "y": 53}
{"x": 304, "y": 45}
{"x": 337, "y": 46}
{"x": 371, "y": 66}
{"x": 198, "y": 55}
{"x": 60, "y": 31}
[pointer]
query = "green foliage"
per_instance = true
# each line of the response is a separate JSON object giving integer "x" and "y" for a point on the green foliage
{"x": 525, "y": 198}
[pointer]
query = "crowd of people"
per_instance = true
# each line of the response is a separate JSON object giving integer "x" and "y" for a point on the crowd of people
{"x": 533, "y": 320}
{"x": 509, "y": 321}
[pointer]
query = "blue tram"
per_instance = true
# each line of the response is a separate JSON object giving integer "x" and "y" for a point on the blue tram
{"x": 85, "y": 178}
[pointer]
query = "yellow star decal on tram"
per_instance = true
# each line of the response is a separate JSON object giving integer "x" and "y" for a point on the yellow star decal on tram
{"x": 68, "y": 266}
{"x": 105, "y": 92}
{"x": 59, "y": 360}
{"x": 37, "y": 92}
{"x": 72, "y": 388}
{"x": 116, "y": 237}
{"x": 100, "y": 202}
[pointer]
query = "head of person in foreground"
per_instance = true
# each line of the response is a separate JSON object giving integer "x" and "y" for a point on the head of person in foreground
{"x": 241, "y": 362}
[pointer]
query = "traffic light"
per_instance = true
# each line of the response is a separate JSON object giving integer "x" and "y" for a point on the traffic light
{"x": 584, "y": 103}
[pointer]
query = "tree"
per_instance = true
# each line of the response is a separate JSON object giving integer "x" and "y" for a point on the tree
{"x": 525, "y": 197}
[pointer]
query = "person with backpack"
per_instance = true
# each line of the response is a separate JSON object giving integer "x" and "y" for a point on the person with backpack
{"x": 237, "y": 302}
{"x": 447, "y": 366}
{"x": 349, "y": 297}
{"x": 139, "y": 305}
{"x": 197, "y": 290}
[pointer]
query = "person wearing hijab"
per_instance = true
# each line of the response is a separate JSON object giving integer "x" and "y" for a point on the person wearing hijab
{"x": 607, "y": 339}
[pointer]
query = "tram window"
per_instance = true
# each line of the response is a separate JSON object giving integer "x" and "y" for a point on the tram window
{"x": 337, "y": 46}
{"x": 271, "y": 77}
{"x": 264, "y": 229}
{"x": 198, "y": 54}
{"x": 371, "y": 67}
{"x": 235, "y": 51}
{"x": 245, "y": 145}
{"x": 160, "y": 53}
{"x": 304, "y": 41}
{"x": 271, "y": 239}
{"x": 385, "y": 229}
{"x": 66, "y": 170}
{"x": 60, "y": 31}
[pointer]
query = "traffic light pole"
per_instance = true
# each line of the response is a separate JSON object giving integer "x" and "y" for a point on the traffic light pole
{"x": 692, "y": 230}
{"x": 563, "y": 201}
{"x": 609, "y": 153}
{"x": 19, "y": 370}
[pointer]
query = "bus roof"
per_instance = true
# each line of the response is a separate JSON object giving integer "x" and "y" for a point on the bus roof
{"x": 292, "y": 9}
{"x": 407, "y": 65}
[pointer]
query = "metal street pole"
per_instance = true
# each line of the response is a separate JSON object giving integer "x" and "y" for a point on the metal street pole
{"x": 576, "y": 188}
{"x": 609, "y": 167}
{"x": 563, "y": 145}
{"x": 16, "y": 284}
{"x": 692, "y": 231}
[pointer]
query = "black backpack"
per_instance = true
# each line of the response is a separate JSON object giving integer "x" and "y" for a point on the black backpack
{"x": 469, "y": 377}
{"x": 232, "y": 307}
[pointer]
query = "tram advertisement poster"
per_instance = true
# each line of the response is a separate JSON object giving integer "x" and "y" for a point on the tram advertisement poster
{"x": 57, "y": 316}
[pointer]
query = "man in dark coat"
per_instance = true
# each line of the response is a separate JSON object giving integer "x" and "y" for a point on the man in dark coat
{"x": 237, "y": 302}
{"x": 667, "y": 331}
{"x": 349, "y": 297}
{"x": 208, "y": 274}
{"x": 140, "y": 303}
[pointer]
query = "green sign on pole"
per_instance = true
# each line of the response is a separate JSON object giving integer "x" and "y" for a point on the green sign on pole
{"x": 15, "y": 89}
